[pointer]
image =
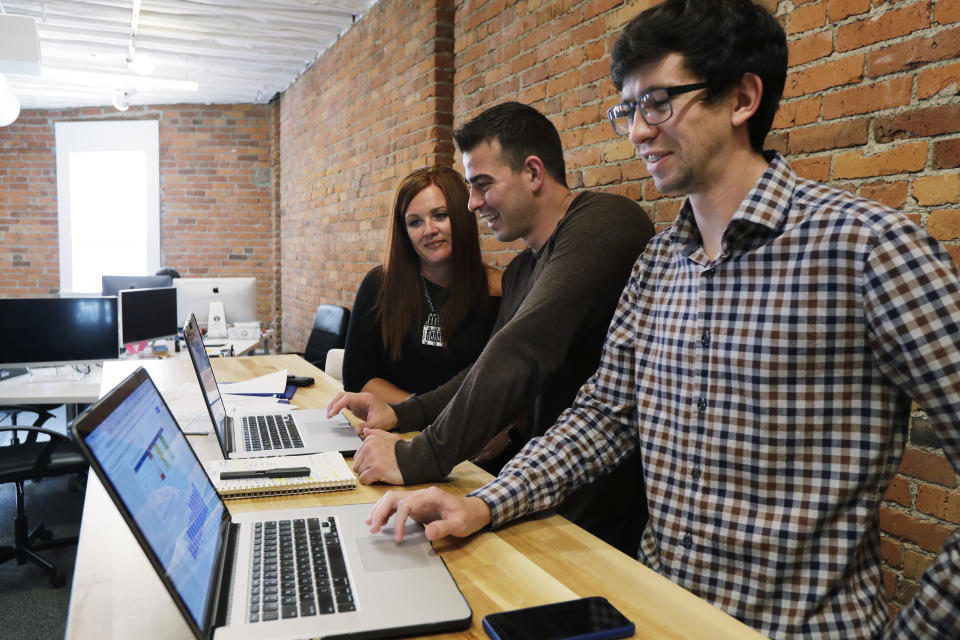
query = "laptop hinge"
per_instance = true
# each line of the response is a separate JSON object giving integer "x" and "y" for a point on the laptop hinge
{"x": 228, "y": 424}
{"x": 222, "y": 596}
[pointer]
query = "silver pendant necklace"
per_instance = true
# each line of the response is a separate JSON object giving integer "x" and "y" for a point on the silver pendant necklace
{"x": 432, "y": 332}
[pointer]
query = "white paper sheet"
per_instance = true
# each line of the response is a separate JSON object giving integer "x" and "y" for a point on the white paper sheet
{"x": 186, "y": 403}
{"x": 275, "y": 382}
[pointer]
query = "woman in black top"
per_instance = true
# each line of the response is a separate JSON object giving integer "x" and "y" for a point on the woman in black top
{"x": 426, "y": 313}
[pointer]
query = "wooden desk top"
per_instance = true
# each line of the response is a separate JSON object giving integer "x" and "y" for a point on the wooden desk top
{"x": 116, "y": 593}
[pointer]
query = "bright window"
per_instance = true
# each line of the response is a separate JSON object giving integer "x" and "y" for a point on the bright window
{"x": 108, "y": 201}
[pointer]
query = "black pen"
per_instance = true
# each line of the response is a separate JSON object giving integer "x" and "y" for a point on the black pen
{"x": 287, "y": 472}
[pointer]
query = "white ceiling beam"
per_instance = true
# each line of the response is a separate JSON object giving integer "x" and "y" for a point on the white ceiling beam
{"x": 238, "y": 50}
{"x": 195, "y": 46}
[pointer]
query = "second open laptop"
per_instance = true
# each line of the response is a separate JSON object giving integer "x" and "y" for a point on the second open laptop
{"x": 257, "y": 436}
{"x": 306, "y": 572}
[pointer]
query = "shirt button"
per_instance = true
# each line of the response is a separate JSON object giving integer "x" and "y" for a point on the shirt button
{"x": 702, "y": 404}
{"x": 696, "y": 473}
{"x": 709, "y": 272}
{"x": 705, "y": 339}
{"x": 687, "y": 541}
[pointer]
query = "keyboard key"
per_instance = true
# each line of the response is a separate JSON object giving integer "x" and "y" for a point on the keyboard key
{"x": 338, "y": 569}
{"x": 325, "y": 604}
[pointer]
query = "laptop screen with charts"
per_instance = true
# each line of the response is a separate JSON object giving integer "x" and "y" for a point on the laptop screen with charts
{"x": 256, "y": 436}
{"x": 225, "y": 573}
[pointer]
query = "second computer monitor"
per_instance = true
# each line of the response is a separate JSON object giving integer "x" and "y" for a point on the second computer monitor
{"x": 148, "y": 314}
{"x": 238, "y": 296}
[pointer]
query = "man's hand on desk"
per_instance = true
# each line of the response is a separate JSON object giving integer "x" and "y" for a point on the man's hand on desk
{"x": 375, "y": 460}
{"x": 375, "y": 413}
{"x": 441, "y": 513}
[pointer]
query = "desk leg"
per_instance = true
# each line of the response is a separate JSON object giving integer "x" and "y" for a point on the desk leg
{"x": 72, "y": 410}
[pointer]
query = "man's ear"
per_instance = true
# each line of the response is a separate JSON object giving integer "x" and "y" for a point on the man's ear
{"x": 536, "y": 172}
{"x": 748, "y": 93}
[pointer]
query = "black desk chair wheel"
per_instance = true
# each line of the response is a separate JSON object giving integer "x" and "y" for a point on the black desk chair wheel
{"x": 26, "y": 457}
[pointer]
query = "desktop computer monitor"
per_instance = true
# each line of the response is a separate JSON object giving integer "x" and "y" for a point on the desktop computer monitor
{"x": 238, "y": 295}
{"x": 56, "y": 331}
{"x": 110, "y": 285}
{"x": 147, "y": 314}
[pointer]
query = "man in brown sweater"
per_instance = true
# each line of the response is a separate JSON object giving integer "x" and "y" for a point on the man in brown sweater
{"x": 558, "y": 297}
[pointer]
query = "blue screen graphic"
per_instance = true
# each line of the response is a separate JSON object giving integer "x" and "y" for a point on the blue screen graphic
{"x": 167, "y": 492}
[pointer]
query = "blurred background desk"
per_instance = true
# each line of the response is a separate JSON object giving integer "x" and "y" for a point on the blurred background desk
{"x": 71, "y": 386}
{"x": 116, "y": 593}
{"x": 215, "y": 347}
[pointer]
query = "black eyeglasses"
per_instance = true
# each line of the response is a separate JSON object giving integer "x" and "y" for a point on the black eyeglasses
{"x": 654, "y": 106}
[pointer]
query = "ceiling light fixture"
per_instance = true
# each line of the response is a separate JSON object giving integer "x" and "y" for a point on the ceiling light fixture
{"x": 121, "y": 99}
{"x": 19, "y": 45}
{"x": 9, "y": 103}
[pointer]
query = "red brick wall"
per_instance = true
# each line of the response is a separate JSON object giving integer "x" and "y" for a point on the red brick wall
{"x": 376, "y": 106}
{"x": 218, "y": 205}
{"x": 871, "y": 105}
{"x": 29, "y": 261}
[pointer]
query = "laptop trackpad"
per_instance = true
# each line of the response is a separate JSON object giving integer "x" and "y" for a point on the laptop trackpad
{"x": 380, "y": 552}
{"x": 315, "y": 421}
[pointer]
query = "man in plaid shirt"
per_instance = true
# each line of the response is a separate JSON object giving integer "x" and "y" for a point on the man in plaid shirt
{"x": 762, "y": 359}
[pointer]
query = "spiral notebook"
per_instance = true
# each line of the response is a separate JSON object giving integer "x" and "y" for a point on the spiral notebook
{"x": 328, "y": 472}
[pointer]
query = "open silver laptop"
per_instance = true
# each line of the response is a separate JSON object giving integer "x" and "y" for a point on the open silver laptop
{"x": 256, "y": 436}
{"x": 226, "y": 573}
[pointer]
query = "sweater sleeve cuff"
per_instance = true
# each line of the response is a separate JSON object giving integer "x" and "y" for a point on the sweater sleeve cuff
{"x": 417, "y": 461}
{"x": 410, "y": 415}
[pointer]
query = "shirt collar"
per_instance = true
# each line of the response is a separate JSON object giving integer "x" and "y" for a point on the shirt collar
{"x": 761, "y": 214}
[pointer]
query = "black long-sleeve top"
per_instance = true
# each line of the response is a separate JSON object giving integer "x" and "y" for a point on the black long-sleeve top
{"x": 420, "y": 367}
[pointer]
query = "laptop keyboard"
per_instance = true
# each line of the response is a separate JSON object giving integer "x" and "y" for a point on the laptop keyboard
{"x": 265, "y": 433}
{"x": 298, "y": 570}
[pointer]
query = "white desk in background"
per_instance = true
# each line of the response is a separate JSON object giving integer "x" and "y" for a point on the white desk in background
{"x": 225, "y": 347}
{"x": 69, "y": 386}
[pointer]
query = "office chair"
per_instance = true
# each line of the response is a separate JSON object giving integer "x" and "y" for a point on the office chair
{"x": 334, "y": 363}
{"x": 27, "y": 458}
{"x": 329, "y": 332}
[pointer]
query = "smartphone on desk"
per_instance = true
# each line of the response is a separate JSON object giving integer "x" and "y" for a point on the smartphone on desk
{"x": 591, "y": 618}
